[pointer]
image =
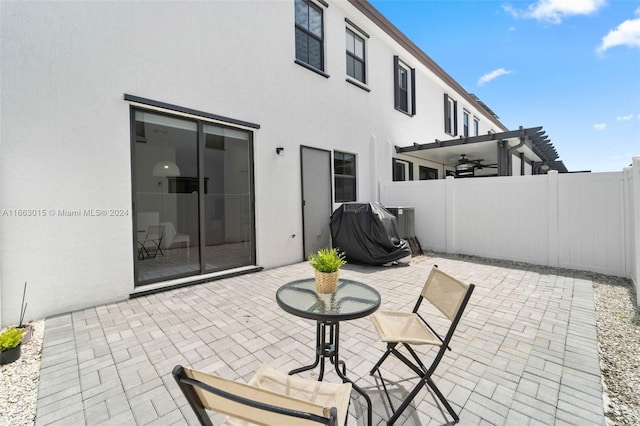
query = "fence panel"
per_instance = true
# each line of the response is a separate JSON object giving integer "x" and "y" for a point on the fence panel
{"x": 503, "y": 218}
{"x": 575, "y": 221}
{"x": 591, "y": 222}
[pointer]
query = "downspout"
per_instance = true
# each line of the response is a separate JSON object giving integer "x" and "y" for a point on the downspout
{"x": 511, "y": 148}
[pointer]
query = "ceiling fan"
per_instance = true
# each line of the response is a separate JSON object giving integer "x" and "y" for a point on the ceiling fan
{"x": 465, "y": 163}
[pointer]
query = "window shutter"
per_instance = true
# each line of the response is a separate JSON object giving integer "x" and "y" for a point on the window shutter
{"x": 455, "y": 118}
{"x": 396, "y": 88}
{"x": 413, "y": 91}
{"x": 446, "y": 114}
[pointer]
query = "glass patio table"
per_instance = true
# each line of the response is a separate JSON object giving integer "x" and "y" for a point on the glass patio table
{"x": 351, "y": 300}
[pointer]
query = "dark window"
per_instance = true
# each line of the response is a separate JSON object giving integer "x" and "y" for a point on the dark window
{"x": 404, "y": 86}
{"x": 476, "y": 126}
{"x": 402, "y": 170}
{"x": 309, "y": 34}
{"x": 450, "y": 116}
{"x": 344, "y": 169}
{"x": 465, "y": 124}
{"x": 427, "y": 173}
{"x": 355, "y": 56}
{"x": 403, "y": 92}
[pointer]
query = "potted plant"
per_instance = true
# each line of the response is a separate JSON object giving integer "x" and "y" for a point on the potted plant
{"x": 327, "y": 263}
{"x": 10, "y": 344}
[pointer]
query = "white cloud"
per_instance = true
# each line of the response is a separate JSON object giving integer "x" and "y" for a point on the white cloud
{"x": 625, "y": 34}
{"x": 554, "y": 10}
{"x": 492, "y": 75}
{"x": 624, "y": 117}
{"x": 600, "y": 126}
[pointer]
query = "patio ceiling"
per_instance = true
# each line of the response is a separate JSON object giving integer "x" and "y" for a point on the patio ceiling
{"x": 535, "y": 145}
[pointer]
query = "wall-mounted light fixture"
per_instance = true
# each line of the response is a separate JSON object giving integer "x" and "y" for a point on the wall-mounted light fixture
{"x": 280, "y": 151}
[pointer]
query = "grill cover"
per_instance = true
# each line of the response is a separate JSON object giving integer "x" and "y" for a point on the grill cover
{"x": 367, "y": 233}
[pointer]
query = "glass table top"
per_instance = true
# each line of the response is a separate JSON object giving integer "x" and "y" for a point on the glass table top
{"x": 351, "y": 300}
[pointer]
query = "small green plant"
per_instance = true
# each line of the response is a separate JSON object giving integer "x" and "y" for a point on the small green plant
{"x": 327, "y": 260}
{"x": 10, "y": 338}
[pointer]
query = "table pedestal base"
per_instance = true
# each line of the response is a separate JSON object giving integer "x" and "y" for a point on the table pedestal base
{"x": 329, "y": 348}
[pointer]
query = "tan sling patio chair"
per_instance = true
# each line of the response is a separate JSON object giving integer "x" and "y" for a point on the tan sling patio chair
{"x": 450, "y": 297}
{"x": 270, "y": 398}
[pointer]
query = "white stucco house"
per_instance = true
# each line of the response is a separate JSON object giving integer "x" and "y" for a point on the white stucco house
{"x": 146, "y": 145}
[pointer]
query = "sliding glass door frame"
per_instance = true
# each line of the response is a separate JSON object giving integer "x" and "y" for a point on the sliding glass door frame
{"x": 207, "y": 119}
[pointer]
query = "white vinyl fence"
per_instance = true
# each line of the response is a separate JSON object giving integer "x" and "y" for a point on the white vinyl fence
{"x": 583, "y": 221}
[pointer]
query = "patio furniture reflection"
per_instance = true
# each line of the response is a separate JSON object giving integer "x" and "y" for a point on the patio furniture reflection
{"x": 149, "y": 245}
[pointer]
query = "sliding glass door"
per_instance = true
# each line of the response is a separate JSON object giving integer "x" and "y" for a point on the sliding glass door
{"x": 228, "y": 210}
{"x": 193, "y": 197}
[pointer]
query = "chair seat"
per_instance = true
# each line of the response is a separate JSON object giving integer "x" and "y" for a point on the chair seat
{"x": 182, "y": 238}
{"x": 308, "y": 391}
{"x": 449, "y": 297}
{"x": 402, "y": 327}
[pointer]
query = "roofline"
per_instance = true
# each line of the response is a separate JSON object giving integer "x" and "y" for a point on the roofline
{"x": 384, "y": 24}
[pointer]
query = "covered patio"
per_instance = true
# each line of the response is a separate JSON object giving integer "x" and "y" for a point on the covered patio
{"x": 524, "y": 353}
{"x": 492, "y": 154}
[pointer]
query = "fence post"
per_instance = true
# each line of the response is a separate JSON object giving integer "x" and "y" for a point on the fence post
{"x": 634, "y": 204}
{"x": 553, "y": 214}
{"x": 449, "y": 215}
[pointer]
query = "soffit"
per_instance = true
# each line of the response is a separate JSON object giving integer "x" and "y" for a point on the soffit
{"x": 535, "y": 146}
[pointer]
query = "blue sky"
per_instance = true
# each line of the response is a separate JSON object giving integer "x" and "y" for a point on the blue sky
{"x": 571, "y": 66}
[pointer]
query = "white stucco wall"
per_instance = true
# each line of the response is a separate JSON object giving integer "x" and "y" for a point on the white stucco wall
{"x": 65, "y": 67}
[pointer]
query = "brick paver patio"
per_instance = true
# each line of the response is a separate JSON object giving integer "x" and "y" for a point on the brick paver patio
{"x": 525, "y": 352}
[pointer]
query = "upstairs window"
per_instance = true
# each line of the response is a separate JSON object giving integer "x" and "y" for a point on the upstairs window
{"x": 355, "y": 56}
{"x": 309, "y": 34}
{"x": 344, "y": 174}
{"x": 476, "y": 126}
{"x": 404, "y": 85}
{"x": 450, "y": 116}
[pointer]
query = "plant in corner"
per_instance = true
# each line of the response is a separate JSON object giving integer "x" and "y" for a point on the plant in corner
{"x": 10, "y": 343}
{"x": 27, "y": 328}
{"x": 327, "y": 263}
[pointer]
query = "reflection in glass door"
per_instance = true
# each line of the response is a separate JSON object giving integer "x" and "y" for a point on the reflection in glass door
{"x": 228, "y": 211}
{"x": 166, "y": 198}
{"x": 193, "y": 197}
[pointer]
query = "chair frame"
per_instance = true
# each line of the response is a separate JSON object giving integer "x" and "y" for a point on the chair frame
{"x": 187, "y": 385}
{"x": 416, "y": 364}
{"x": 142, "y": 250}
